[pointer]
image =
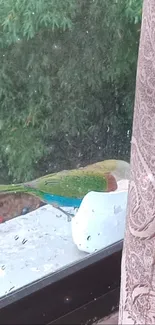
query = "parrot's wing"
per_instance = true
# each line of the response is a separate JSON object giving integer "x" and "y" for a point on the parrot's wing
{"x": 78, "y": 182}
{"x": 75, "y": 184}
{"x": 120, "y": 168}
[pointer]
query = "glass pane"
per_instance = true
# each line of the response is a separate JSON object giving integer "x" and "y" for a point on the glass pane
{"x": 67, "y": 83}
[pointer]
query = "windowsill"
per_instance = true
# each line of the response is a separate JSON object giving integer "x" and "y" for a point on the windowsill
{"x": 86, "y": 290}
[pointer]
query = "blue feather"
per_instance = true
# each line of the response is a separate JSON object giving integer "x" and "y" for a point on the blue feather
{"x": 61, "y": 200}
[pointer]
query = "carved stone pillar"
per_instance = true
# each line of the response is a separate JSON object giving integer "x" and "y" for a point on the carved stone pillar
{"x": 137, "y": 301}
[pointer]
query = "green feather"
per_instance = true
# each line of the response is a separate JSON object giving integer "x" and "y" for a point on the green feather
{"x": 71, "y": 185}
{"x": 13, "y": 188}
{"x": 20, "y": 188}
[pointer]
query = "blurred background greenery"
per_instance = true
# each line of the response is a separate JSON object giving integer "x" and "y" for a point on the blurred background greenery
{"x": 67, "y": 83}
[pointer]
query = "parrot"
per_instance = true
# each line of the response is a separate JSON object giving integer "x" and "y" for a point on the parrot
{"x": 67, "y": 188}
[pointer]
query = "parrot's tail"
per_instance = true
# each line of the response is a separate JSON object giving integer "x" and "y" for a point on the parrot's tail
{"x": 13, "y": 188}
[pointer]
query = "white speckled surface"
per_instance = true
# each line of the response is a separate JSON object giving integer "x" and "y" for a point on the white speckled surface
{"x": 100, "y": 220}
{"x": 33, "y": 246}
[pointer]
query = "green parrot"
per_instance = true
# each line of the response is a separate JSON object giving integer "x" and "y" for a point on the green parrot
{"x": 67, "y": 188}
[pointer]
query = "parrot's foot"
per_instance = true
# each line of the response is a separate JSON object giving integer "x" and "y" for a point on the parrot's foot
{"x": 69, "y": 215}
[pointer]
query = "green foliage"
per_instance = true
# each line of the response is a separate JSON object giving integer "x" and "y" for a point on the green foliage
{"x": 23, "y": 19}
{"x": 67, "y": 82}
{"x": 134, "y": 10}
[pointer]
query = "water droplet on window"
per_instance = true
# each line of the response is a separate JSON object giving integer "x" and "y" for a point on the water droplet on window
{"x": 67, "y": 299}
